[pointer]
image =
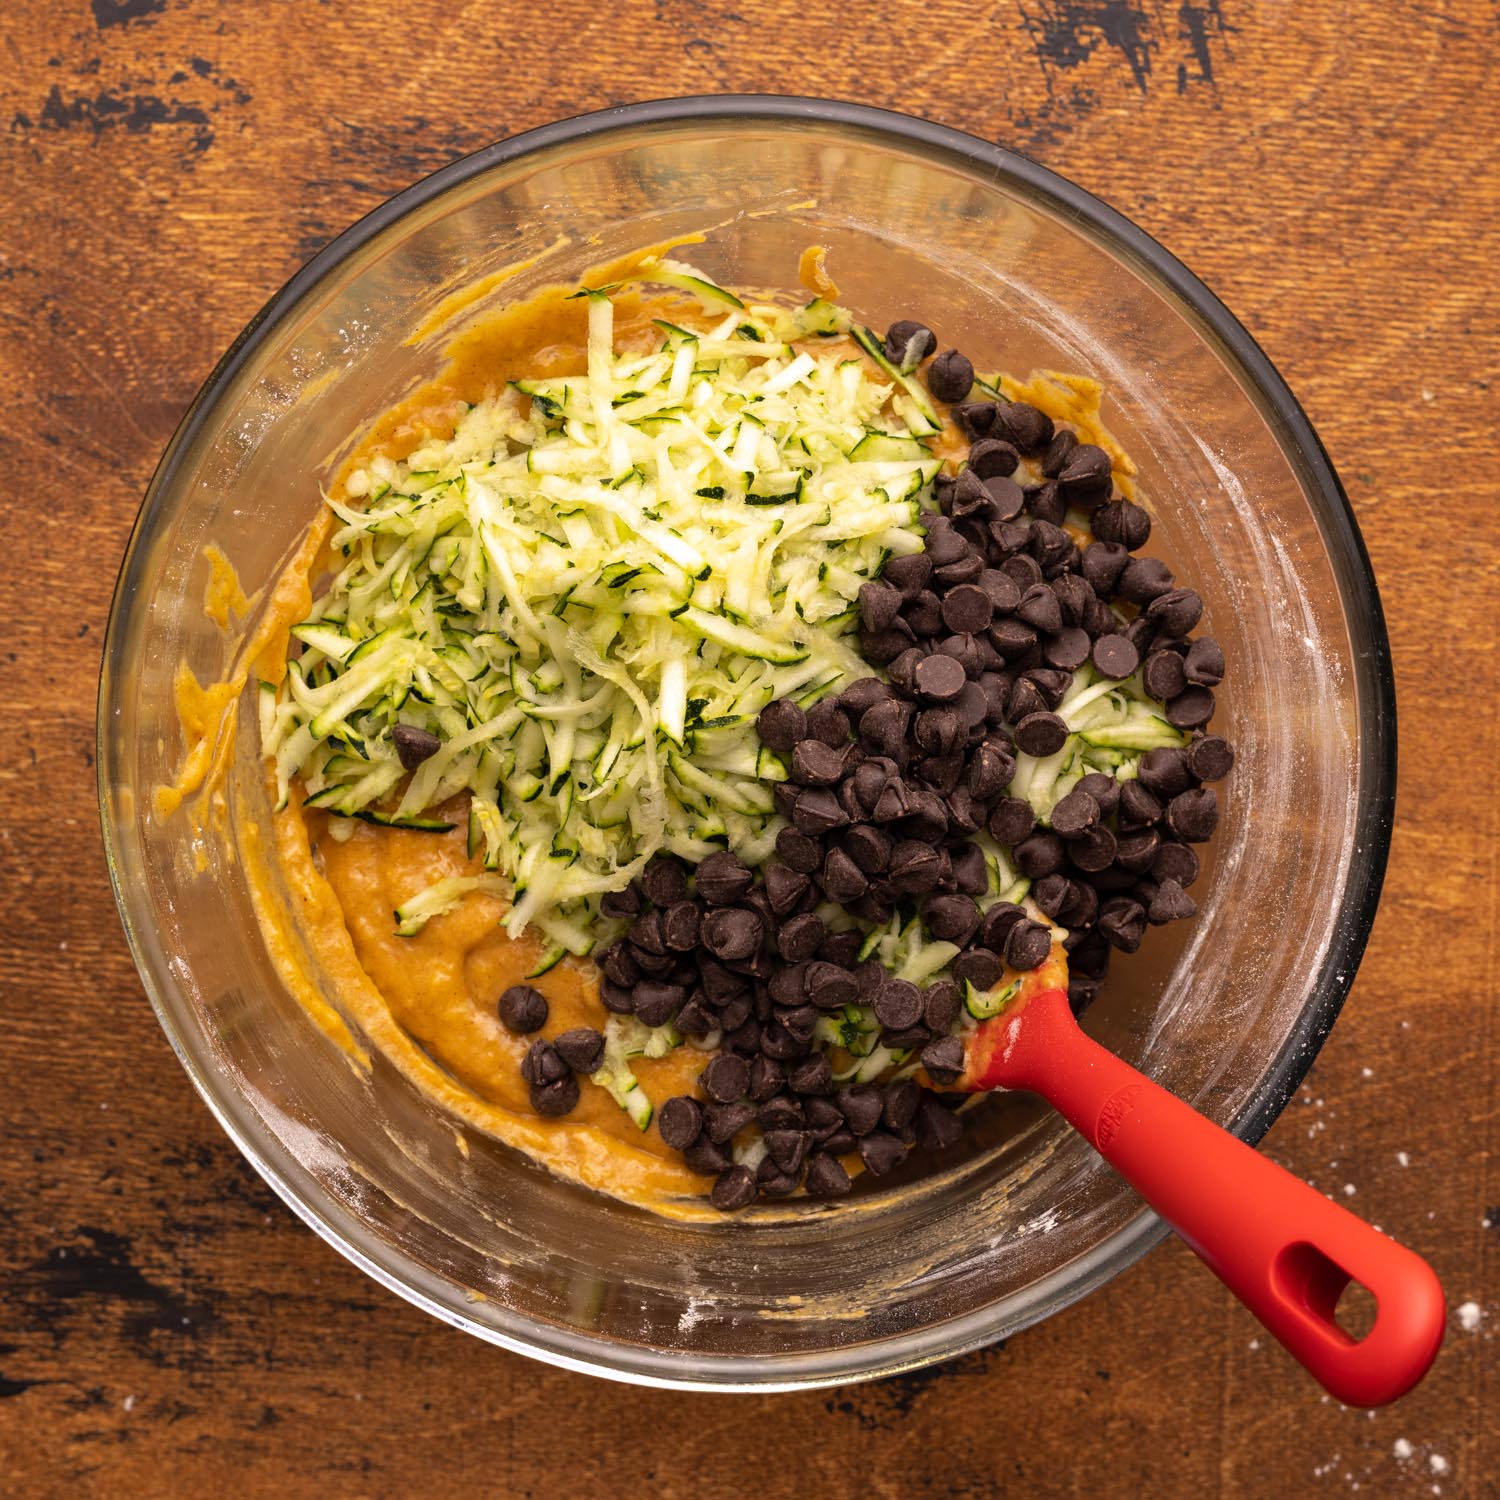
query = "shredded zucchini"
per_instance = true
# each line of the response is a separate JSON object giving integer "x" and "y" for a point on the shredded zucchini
{"x": 589, "y": 591}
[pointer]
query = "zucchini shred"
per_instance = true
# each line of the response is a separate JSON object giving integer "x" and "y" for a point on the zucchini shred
{"x": 589, "y": 592}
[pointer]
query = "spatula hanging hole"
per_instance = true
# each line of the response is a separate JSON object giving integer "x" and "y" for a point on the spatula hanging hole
{"x": 1356, "y": 1310}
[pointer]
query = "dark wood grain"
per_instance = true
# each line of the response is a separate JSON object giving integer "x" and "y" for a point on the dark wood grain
{"x": 166, "y": 1327}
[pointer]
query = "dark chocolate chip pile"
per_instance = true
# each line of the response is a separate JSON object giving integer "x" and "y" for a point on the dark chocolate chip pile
{"x": 722, "y": 950}
{"x": 978, "y": 636}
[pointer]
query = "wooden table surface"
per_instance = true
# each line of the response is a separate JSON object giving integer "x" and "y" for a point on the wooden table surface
{"x": 166, "y": 1326}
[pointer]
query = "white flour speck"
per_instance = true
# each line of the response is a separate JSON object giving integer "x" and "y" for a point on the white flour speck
{"x": 1470, "y": 1316}
{"x": 1401, "y": 1448}
{"x": 1255, "y": 1343}
{"x": 128, "y": 1403}
{"x": 1367, "y": 1072}
{"x": 1349, "y": 1190}
{"x": 1403, "y": 1159}
{"x": 1438, "y": 1464}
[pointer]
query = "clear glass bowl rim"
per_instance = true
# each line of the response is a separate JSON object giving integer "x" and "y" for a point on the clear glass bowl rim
{"x": 1359, "y": 597}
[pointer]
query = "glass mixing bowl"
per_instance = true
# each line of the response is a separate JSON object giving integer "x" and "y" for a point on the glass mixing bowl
{"x": 1021, "y": 270}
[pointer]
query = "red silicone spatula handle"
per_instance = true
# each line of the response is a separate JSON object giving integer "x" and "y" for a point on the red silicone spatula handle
{"x": 1279, "y": 1245}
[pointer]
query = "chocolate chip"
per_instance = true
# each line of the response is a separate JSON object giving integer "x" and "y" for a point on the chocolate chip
{"x": 827, "y": 721}
{"x": 1192, "y": 708}
{"x": 1122, "y": 920}
{"x": 879, "y": 604}
{"x": 842, "y": 879}
{"x": 1090, "y": 956}
{"x": 1122, "y": 523}
{"x": 618, "y": 998}
{"x": 978, "y": 967}
{"x": 1069, "y": 648}
{"x": 1145, "y": 579}
{"x": 1136, "y": 852}
{"x": 996, "y": 924}
{"x": 780, "y": 725}
{"x": 944, "y": 1058}
{"x": 816, "y": 764}
{"x": 990, "y": 457}
{"x": 621, "y": 904}
{"x": 897, "y": 1004}
{"x": 841, "y": 948}
{"x": 908, "y": 343}
{"x": 862, "y": 1107}
{"x": 786, "y": 1113}
{"x": 1041, "y": 734}
{"x": 733, "y": 1189}
{"x": 788, "y": 1148}
{"x": 967, "y": 609}
{"x": 1165, "y": 771}
{"x": 869, "y": 847}
{"x": 1039, "y": 855}
{"x": 656, "y": 1001}
{"x": 1204, "y": 662}
{"x": 1055, "y": 894}
{"x": 582, "y": 1048}
{"x": 826, "y": 1177}
{"x": 1011, "y": 821}
{"x": 707, "y": 1156}
{"x": 679, "y": 926}
{"x": 1115, "y": 656}
{"x": 554, "y": 1099}
{"x": 1012, "y": 638}
{"x": 767, "y": 1079}
{"x": 909, "y": 573}
{"x": 1175, "y": 612}
{"x": 1170, "y": 904}
{"x": 818, "y": 811}
{"x": 1210, "y": 758}
{"x": 1163, "y": 675}
{"x": 722, "y": 1122}
{"x": 1141, "y": 634}
{"x": 665, "y": 881}
{"x": 1046, "y": 502}
{"x": 732, "y": 933}
{"x": 814, "y": 1075}
{"x": 1105, "y": 790}
{"x": 883, "y": 727}
{"x": 797, "y": 851}
{"x": 679, "y": 1122}
{"x": 941, "y": 1005}
{"x": 414, "y": 745}
{"x": 882, "y": 1152}
{"x": 1175, "y": 862}
{"x": 914, "y": 867}
{"x": 1075, "y": 814}
{"x": 939, "y": 678}
{"x": 1006, "y": 498}
{"x": 1194, "y": 814}
{"x": 829, "y": 985}
{"x": 950, "y": 377}
{"x": 800, "y": 937}
{"x": 938, "y": 731}
{"x": 951, "y": 919}
{"x": 1059, "y": 449}
{"x": 1027, "y": 427}
{"x": 1082, "y": 909}
{"x": 523, "y": 1009}
{"x": 1039, "y": 608}
{"x": 989, "y": 772}
{"x": 977, "y": 418}
{"x": 1103, "y": 562}
{"x": 899, "y": 1105}
{"x": 772, "y": 1182}
{"x": 784, "y": 889}
{"x": 1087, "y": 474}
{"x": 1028, "y": 945}
{"x": 646, "y": 935}
{"x": 543, "y": 1064}
{"x": 1094, "y": 851}
{"x": 937, "y": 1126}
{"x": 726, "y": 1079}
{"x": 618, "y": 965}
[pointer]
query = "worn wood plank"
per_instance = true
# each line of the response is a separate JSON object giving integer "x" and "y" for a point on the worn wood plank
{"x": 166, "y": 1327}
